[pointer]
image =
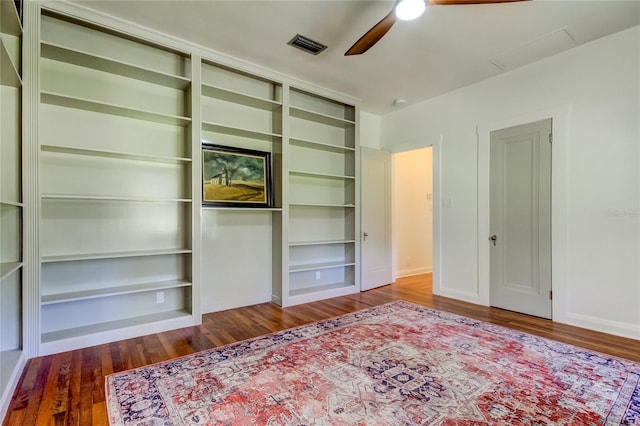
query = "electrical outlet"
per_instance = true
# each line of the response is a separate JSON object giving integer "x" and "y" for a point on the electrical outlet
{"x": 317, "y": 275}
{"x": 160, "y": 297}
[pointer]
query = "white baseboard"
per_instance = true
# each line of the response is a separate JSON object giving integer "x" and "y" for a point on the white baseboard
{"x": 414, "y": 271}
{"x": 617, "y": 328}
{"x": 238, "y": 302}
{"x": 465, "y": 296}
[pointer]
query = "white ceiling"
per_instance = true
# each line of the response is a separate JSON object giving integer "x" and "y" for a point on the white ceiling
{"x": 447, "y": 48}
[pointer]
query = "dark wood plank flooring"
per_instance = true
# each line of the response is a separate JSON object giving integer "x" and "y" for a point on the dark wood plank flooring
{"x": 68, "y": 388}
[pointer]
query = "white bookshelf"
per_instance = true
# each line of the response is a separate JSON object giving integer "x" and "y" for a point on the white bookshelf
{"x": 323, "y": 118}
{"x": 116, "y": 189}
{"x": 240, "y": 132}
{"x": 323, "y": 209}
{"x": 318, "y": 291}
{"x": 240, "y": 98}
{"x": 111, "y": 255}
{"x": 319, "y": 242}
{"x": 9, "y": 20}
{"x": 11, "y": 202}
{"x": 74, "y": 296}
{"x": 113, "y": 66}
{"x": 319, "y": 175}
{"x": 119, "y": 238}
{"x": 114, "y": 154}
{"x": 245, "y": 111}
{"x": 110, "y": 108}
{"x": 10, "y": 74}
{"x": 111, "y": 198}
{"x": 8, "y": 268}
{"x": 320, "y": 266}
{"x": 50, "y": 339}
{"x": 320, "y": 145}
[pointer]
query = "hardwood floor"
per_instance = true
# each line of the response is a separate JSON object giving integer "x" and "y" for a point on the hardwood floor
{"x": 68, "y": 388}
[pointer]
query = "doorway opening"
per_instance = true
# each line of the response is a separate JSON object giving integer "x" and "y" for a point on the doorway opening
{"x": 412, "y": 215}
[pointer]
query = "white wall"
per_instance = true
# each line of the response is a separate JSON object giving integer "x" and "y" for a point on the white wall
{"x": 412, "y": 212}
{"x": 236, "y": 259}
{"x": 369, "y": 130}
{"x": 599, "y": 159}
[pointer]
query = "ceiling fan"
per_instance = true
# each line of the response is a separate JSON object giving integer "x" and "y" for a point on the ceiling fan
{"x": 404, "y": 10}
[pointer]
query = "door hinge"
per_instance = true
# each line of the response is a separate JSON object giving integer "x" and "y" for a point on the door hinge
{"x": 550, "y": 294}
{"x": 550, "y": 137}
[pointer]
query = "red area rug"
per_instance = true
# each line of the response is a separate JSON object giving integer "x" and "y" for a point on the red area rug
{"x": 395, "y": 364}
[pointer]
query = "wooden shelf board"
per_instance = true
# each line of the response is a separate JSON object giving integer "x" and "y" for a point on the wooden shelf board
{"x": 320, "y": 175}
{"x": 76, "y": 296}
{"x": 114, "y": 154}
{"x": 101, "y": 63}
{"x": 111, "y": 255}
{"x": 11, "y": 203}
{"x": 320, "y": 289}
{"x": 319, "y": 242}
{"x": 319, "y": 266}
{"x": 9, "y": 75}
{"x": 8, "y": 268}
{"x": 111, "y": 198}
{"x": 330, "y": 120}
{"x": 70, "y": 333}
{"x": 237, "y": 131}
{"x": 346, "y": 206}
{"x": 10, "y": 21}
{"x": 239, "y": 98}
{"x": 317, "y": 144}
{"x": 112, "y": 109}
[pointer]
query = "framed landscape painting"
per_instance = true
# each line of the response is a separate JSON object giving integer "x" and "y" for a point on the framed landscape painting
{"x": 236, "y": 177}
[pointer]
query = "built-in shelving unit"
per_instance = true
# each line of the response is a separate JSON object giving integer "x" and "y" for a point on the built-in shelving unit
{"x": 323, "y": 199}
{"x": 245, "y": 99}
{"x": 8, "y": 268}
{"x": 109, "y": 108}
{"x": 114, "y": 154}
{"x": 241, "y": 110}
{"x": 241, "y": 132}
{"x": 116, "y": 235}
{"x": 110, "y": 65}
{"x": 103, "y": 235}
{"x": 116, "y": 187}
{"x": 245, "y": 111}
{"x": 11, "y": 202}
{"x": 111, "y": 255}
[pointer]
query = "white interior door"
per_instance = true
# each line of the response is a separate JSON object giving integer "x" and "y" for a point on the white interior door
{"x": 520, "y": 218}
{"x": 376, "y": 218}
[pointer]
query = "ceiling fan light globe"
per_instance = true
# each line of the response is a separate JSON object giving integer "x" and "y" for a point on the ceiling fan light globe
{"x": 407, "y": 10}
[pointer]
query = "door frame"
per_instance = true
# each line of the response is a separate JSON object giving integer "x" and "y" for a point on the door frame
{"x": 560, "y": 129}
{"x": 435, "y": 144}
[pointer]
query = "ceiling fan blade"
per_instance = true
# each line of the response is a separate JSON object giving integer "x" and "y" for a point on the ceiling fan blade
{"x": 378, "y": 31}
{"x": 372, "y": 36}
{"x": 449, "y": 2}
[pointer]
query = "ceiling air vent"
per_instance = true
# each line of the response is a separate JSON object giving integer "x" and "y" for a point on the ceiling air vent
{"x": 306, "y": 44}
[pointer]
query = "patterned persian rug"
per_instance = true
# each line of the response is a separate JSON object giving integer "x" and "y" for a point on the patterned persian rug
{"x": 395, "y": 364}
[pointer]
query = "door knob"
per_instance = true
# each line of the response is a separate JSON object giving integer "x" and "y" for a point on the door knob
{"x": 493, "y": 238}
{"x": 365, "y": 235}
